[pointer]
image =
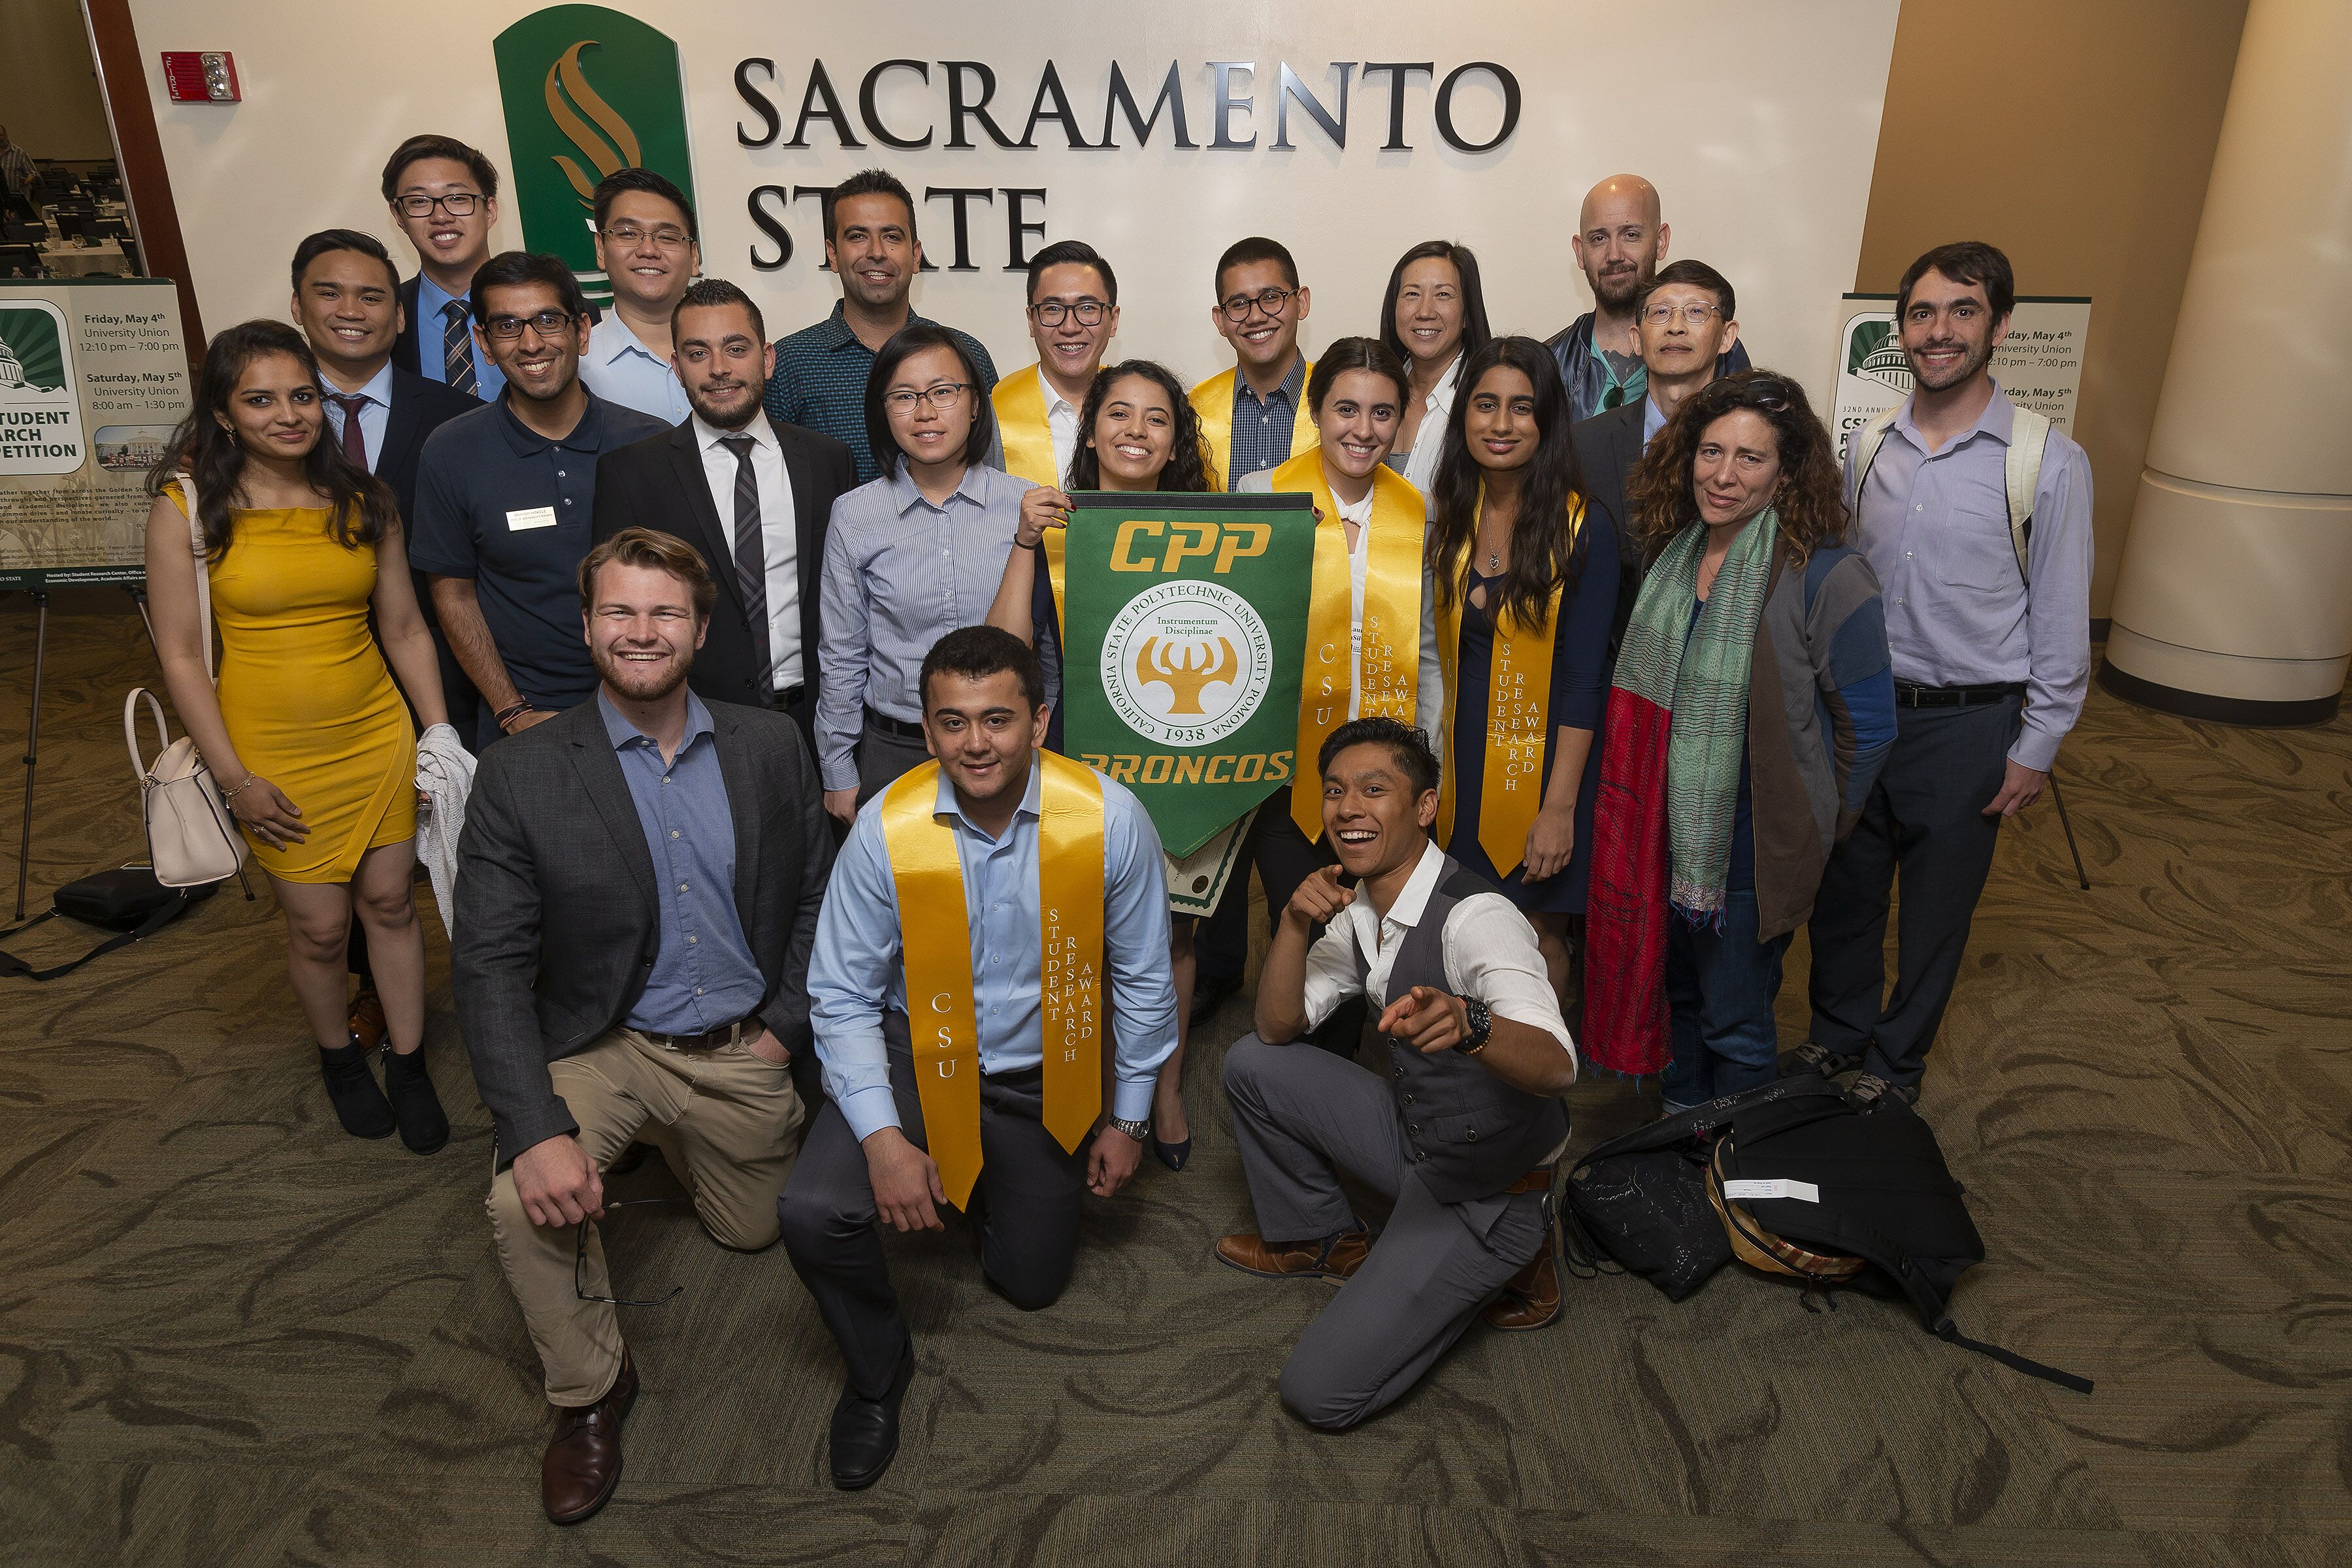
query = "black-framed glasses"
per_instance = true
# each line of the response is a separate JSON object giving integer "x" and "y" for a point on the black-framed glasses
{"x": 579, "y": 1260}
{"x": 1270, "y": 301}
{"x": 1054, "y": 312}
{"x": 942, "y": 395}
{"x": 546, "y": 323}
{"x": 457, "y": 204}
{"x": 666, "y": 236}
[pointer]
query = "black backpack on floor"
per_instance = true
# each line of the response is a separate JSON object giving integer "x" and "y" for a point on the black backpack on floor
{"x": 128, "y": 900}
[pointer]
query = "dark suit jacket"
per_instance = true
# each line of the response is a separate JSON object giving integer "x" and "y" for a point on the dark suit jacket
{"x": 418, "y": 408}
{"x": 659, "y": 483}
{"x": 556, "y": 915}
{"x": 1608, "y": 445}
{"x": 404, "y": 348}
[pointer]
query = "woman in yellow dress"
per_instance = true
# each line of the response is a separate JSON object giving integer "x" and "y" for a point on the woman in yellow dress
{"x": 306, "y": 734}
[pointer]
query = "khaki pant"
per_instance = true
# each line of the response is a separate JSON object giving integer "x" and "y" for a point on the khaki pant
{"x": 726, "y": 1121}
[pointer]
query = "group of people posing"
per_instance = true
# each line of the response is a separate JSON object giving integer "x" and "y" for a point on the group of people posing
{"x": 773, "y": 862}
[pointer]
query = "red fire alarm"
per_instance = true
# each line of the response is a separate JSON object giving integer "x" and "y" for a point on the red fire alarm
{"x": 201, "y": 76}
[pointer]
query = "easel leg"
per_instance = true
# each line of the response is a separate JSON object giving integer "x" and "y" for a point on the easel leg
{"x": 32, "y": 745}
{"x": 2060, "y": 801}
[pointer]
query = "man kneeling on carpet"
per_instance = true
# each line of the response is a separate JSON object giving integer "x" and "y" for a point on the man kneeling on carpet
{"x": 1008, "y": 892}
{"x": 1462, "y": 1133}
{"x": 638, "y": 885}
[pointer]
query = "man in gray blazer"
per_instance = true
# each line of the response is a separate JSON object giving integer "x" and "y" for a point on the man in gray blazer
{"x": 638, "y": 885}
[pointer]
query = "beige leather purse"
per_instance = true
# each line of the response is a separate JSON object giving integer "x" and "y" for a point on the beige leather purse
{"x": 192, "y": 837}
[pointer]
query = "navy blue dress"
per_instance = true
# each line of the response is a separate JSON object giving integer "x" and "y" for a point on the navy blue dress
{"x": 1579, "y": 693}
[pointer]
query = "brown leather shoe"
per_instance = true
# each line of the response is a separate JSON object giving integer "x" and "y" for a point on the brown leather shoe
{"x": 583, "y": 1463}
{"x": 367, "y": 1017}
{"x": 1532, "y": 1298}
{"x": 1334, "y": 1259}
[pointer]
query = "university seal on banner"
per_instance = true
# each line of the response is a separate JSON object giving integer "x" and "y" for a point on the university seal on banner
{"x": 1187, "y": 662}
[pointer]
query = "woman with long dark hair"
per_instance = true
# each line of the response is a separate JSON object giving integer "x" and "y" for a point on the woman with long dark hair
{"x": 1432, "y": 316}
{"x": 1753, "y": 702}
{"x": 1137, "y": 434}
{"x": 306, "y": 734}
{"x": 1527, "y": 583}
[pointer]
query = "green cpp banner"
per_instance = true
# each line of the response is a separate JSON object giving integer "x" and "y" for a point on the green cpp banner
{"x": 1183, "y": 632}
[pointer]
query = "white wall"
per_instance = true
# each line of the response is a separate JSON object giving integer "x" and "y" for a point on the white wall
{"x": 1758, "y": 119}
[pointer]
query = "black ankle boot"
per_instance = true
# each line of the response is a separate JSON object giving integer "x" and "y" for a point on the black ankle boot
{"x": 359, "y": 1104}
{"x": 424, "y": 1125}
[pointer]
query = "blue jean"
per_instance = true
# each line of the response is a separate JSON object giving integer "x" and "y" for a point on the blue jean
{"x": 1720, "y": 987}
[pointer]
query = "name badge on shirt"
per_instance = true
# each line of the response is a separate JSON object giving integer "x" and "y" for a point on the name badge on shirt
{"x": 529, "y": 518}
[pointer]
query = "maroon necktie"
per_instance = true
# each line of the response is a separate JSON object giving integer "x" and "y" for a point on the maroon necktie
{"x": 354, "y": 441}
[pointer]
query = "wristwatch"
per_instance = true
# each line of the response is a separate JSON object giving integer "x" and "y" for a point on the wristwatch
{"x": 1482, "y": 1024}
{"x": 1138, "y": 1130}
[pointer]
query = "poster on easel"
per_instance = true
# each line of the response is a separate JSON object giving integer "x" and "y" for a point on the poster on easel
{"x": 2039, "y": 364}
{"x": 93, "y": 379}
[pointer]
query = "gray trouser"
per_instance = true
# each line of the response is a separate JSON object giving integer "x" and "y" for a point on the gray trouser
{"x": 1301, "y": 1116}
{"x": 883, "y": 759}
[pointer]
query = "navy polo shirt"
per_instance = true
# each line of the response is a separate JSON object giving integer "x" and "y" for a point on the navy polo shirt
{"x": 501, "y": 504}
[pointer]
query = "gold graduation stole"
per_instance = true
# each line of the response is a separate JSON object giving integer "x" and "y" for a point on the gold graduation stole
{"x": 1213, "y": 400}
{"x": 1392, "y": 625}
{"x": 1020, "y": 404}
{"x": 937, "y": 946}
{"x": 1518, "y": 718}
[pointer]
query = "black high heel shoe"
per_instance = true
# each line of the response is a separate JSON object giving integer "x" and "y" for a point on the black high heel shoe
{"x": 1171, "y": 1155}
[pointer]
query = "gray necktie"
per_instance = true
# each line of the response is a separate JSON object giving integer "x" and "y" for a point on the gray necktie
{"x": 457, "y": 348}
{"x": 752, "y": 555}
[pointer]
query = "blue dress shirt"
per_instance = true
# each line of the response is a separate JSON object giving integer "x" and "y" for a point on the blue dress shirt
{"x": 430, "y": 323}
{"x": 375, "y": 413}
{"x": 704, "y": 976}
{"x": 857, "y": 967}
{"x": 619, "y": 369}
{"x": 1263, "y": 429}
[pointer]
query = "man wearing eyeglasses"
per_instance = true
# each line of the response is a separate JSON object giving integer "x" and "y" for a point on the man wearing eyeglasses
{"x": 871, "y": 245}
{"x": 647, "y": 246}
{"x": 1255, "y": 416}
{"x": 445, "y": 196}
{"x": 1686, "y": 330}
{"x": 1621, "y": 238}
{"x": 506, "y": 497}
{"x": 1073, "y": 314}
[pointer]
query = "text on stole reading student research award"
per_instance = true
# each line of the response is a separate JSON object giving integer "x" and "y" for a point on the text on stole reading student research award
{"x": 1192, "y": 609}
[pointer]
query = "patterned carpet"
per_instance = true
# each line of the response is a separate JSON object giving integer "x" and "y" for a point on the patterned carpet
{"x": 230, "y": 1335}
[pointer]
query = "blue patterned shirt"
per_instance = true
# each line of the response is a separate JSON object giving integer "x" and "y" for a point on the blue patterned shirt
{"x": 1262, "y": 430}
{"x": 820, "y": 382}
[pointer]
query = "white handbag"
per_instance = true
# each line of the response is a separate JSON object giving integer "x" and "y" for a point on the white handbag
{"x": 191, "y": 836}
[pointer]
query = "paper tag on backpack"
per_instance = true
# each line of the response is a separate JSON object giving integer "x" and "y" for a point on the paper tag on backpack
{"x": 1779, "y": 1187}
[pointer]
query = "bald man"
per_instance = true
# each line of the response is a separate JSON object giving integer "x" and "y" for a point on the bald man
{"x": 1621, "y": 238}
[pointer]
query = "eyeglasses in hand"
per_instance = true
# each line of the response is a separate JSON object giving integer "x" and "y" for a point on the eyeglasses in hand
{"x": 942, "y": 395}
{"x": 579, "y": 1260}
{"x": 546, "y": 323}
{"x": 1053, "y": 313}
{"x": 665, "y": 238}
{"x": 457, "y": 204}
{"x": 1270, "y": 301}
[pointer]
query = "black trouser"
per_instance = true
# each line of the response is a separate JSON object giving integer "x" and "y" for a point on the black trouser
{"x": 1026, "y": 1202}
{"x": 1924, "y": 819}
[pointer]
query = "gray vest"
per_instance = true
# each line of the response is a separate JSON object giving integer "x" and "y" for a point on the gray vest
{"x": 1470, "y": 1133}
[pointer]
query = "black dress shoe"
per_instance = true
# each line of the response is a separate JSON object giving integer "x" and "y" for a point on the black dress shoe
{"x": 424, "y": 1125}
{"x": 866, "y": 1431}
{"x": 1209, "y": 994}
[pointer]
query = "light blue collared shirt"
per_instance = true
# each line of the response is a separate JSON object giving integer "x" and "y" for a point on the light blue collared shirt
{"x": 619, "y": 369}
{"x": 432, "y": 320}
{"x": 1653, "y": 420}
{"x": 857, "y": 967}
{"x": 374, "y": 413}
{"x": 704, "y": 976}
{"x": 1936, "y": 529}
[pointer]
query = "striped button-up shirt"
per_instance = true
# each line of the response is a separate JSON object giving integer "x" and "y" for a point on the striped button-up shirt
{"x": 820, "y": 382}
{"x": 901, "y": 572}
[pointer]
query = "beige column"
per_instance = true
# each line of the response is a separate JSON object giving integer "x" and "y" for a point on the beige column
{"x": 2235, "y": 597}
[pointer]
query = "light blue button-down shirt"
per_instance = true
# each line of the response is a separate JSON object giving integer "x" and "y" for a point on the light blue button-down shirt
{"x": 1936, "y": 529}
{"x": 900, "y": 574}
{"x": 704, "y": 976}
{"x": 858, "y": 966}
{"x": 1653, "y": 420}
{"x": 375, "y": 413}
{"x": 619, "y": 369}
{"x": 431, "y": 323}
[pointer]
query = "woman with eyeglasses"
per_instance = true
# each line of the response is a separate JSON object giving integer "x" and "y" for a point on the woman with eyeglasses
{"x": 1434, "y": 315}
{"x": 1527, "y": 584}
{"x": 306, "y": 734}
{"x": 907, "y": 559}
{"x": 1136, "y": 434}
{"x": 1753, "y": 702}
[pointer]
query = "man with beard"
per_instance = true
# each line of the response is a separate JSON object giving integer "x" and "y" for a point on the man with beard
{"x": 505, "y": 495}
{"x": 751, "y": 493}
{"x": 819, "y": 379}
{"x": 1989, "y": 620}
{"x": 638, "y": 888}
{"x": 1619, "y": 239}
